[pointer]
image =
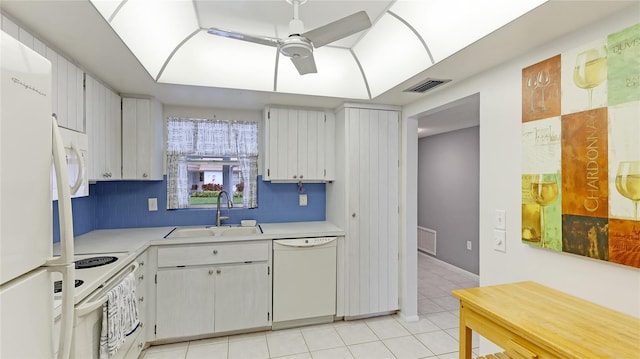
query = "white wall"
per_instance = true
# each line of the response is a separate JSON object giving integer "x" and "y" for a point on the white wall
{"x": 608, "y": 284}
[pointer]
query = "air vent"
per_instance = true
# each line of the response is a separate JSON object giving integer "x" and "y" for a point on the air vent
{"x": 426, "y": 85}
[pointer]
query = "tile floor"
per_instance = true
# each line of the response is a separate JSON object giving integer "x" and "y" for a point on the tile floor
{"x": 434, "y": 336}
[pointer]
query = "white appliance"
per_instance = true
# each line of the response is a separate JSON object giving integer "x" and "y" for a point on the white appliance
{"x": 28, "y": 137}
{"x": 76, "y": 145}
{"x": 304, "y": 281}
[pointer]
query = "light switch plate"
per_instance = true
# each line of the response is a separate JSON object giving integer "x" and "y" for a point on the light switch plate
{"x": 499, "y": 240}
{"x": 500, "y": 219}
{"x": 303, "y": 200}
{"x": 153, "y": 204}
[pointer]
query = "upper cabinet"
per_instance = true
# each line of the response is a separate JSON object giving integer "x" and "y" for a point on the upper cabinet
{"x": 142, "y": 145}
{"x": 299, "y": 145}
{"x": 103, "y": 116}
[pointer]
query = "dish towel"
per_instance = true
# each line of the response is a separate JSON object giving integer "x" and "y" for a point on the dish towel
{"x": 119, "y": 316}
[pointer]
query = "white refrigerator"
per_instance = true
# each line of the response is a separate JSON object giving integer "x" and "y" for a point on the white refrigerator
{"x": 29, "y": 142}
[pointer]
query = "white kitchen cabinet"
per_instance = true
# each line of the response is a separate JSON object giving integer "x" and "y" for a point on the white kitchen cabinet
{"x": 212, "y": 288}
{"x": 103, "y": 115}
{"x": 185, "y": 302}
{"x": 143, "y": 299}
{"x": 364, "y": 201}
{"x": 242, "y": 297}
{"x": 68, "y": 87}
{"x": 142, "y": 135}
{"x": 299, "y": 145}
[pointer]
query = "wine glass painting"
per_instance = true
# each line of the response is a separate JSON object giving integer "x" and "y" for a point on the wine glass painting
{"x": 590, "y": 70}
{"x": 544, "y": 191}
{"x": 628, "y": 183}
{"x": 581, "y": 150}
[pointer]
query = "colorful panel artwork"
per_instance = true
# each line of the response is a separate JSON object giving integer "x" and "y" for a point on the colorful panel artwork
{"x": 581, "y": 150}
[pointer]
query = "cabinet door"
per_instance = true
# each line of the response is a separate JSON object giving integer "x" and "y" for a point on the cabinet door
{"x": 311, "y": 149}
{"x": 103, "y": 129}
{"x": 141, "y": 139}
{"x": 242, "y": 297}
{"x": 282, "y": 144}
{"x": 373, "y": 182}
{"x": 184, "y": 302}
{"x": 296, "y": 145}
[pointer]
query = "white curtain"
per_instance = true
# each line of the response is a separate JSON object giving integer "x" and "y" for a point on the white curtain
{"x": 186, "y": 136}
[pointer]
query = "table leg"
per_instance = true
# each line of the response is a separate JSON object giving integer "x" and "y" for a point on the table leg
{"x": 465, "y": 335}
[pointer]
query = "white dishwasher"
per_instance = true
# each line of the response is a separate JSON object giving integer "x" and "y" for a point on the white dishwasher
{"x": 304, "y": 281}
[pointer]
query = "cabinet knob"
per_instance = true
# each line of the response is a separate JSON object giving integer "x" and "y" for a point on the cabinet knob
{"x": 141, "y": 299}
{"x": 140, "y": 345}
{"x": 141, "y": 324}
{"x": 141, "y": 277}
{"x": 353, "y": 214}
{"x": 218, "y": 271}
{"x": 294, "y": 176}
{"x": 145, "y": 175}
{"x": 141, "y": 263}
{"x": 301, "y": 176}
{"x": 215, "y": 251}
{"x": 210, "y": 271}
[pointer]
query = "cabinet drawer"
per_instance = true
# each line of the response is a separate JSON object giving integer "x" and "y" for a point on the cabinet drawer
{"x": 213, "y": 254}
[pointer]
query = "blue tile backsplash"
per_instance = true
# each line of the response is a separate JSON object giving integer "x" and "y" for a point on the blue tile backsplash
{"x": 123, "y": 204}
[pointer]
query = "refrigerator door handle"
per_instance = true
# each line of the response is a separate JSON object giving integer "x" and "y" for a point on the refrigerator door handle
{"x": 64, "y": 199}
{"x": 80, "y": 177}
{"x": 67, "y": 315}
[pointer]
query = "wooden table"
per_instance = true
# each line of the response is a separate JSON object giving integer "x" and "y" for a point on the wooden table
{"x": 529, "y": 320}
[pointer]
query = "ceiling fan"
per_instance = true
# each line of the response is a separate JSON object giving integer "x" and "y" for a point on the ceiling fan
{"x": 299, "y": 46}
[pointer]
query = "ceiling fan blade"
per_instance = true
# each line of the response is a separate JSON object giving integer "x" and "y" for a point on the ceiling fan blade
{"x": 304, "y": 65}
{"x": 338, "y": 29}
{"x": 263, "y": 40}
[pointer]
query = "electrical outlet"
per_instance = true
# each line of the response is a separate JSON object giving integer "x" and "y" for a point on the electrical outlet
{"x": 302, "y": 200}
{"x": 153, "y": 204}
{"x": 499, "y": 240}
{"x": 468, "y": 245}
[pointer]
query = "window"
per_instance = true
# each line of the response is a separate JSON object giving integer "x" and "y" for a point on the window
{"x": 210, "y": 175}
{"x": 207, "y": 156}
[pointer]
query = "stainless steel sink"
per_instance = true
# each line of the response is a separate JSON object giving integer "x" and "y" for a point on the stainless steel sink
{"x": 190, "y": 232}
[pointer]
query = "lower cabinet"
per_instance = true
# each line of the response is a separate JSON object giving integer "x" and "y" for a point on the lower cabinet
{"x": 196, "y": 300}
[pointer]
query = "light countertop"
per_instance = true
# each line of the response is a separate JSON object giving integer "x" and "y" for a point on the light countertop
{"x": 135, "y": 240}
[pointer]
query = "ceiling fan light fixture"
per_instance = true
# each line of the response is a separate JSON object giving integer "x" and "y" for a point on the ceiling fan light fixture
{"x": 296, "y": 47}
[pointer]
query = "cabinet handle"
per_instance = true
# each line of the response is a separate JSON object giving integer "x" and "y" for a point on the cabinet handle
{"x": 141, "y": 299}
{"x": 140, "y": 345}
{"x": 218, "y": 271}
{"x": 215, "y": 251}
{"x": 141, "y": 277}
{"x": 210, "y": 271}
{"x": 145, "y": 175}
{"x": 141, "y": 263}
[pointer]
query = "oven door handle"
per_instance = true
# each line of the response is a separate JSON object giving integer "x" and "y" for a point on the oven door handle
{"x": 87, "y": 308}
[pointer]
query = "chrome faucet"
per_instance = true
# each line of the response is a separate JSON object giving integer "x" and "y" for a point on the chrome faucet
{"x": 219, "y": 217}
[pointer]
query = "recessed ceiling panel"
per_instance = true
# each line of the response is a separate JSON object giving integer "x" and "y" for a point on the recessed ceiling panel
{"x": 106, "y": 7}
{"x": 207, "y": 60}
{"x": 152, "y": 29}
{"x": 448, "y": 26}
{"x": 390, "y": 53}
{"x": 338, "y": 75}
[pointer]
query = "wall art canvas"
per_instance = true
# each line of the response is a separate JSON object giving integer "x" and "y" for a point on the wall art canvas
{"x": 581, "y": 150}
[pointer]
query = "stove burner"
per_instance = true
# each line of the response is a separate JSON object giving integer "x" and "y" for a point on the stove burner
{"x": 57, "y": 285}
{"x": 94, "y": 262}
